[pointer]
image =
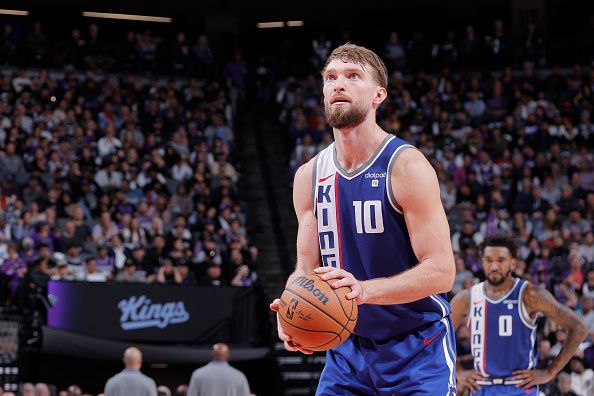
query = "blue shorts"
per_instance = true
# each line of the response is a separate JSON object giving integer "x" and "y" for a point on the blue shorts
{"x": 419, "y": 363}
{"x": 505, "y": 390}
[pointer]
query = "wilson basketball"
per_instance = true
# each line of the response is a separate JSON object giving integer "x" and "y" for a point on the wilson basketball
{"x": 315, "y": 315}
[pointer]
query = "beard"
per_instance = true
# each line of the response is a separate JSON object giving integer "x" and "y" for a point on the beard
{"x": 497, "y": 282}
{"x": 345, "y": 116}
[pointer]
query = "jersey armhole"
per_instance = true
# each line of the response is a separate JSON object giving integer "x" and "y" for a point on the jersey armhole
{"x": 314, "y": 172}
{"x": 391, "y": 163}
{"x": 524, "y": 316}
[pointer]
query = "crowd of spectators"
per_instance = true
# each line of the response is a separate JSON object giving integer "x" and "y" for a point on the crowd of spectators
{"x": 96, "y": 48}
{"x": 118, "y": 177}
{"x": 514, "y": 153}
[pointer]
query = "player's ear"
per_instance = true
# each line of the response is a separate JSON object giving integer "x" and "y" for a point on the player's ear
{"x": 380, "y": 94}
{"x": 513, "y": 264}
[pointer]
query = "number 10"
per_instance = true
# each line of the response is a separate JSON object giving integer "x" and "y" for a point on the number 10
{"x": 371, "y": 221}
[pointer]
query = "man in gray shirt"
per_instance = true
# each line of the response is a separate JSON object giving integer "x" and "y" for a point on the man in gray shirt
{"x": 218, "y": 377}
{"x": 130, "y": 381}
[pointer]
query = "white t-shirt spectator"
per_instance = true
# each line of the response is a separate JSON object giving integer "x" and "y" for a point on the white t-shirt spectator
{"x": 583, "y": 384}
{"x": 181, "y": 171}
{"x": 108, "y": 145}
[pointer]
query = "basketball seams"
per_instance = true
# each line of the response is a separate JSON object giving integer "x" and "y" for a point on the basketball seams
{"x": 309, "y": 330}
{"x": 314, "y": 347}
{"x": 343, "y": 327}
{"x": 315, "y": 306}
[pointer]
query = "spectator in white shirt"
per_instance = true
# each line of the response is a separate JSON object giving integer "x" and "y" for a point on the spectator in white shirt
{"x": 109, "y": 143}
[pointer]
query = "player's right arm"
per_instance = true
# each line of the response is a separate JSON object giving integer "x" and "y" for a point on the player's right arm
{"x": 460, "y": 310}
{"x": 308, "y": 249}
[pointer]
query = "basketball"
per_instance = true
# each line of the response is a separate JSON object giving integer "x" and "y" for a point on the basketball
{"x": 315, "y": 315}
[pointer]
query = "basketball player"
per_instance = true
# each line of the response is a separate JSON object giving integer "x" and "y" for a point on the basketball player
{"x": 502, "y": 314}
{"x": 370, "y": 215}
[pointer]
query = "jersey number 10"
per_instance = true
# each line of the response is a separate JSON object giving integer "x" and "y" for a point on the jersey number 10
{"x": 368, "y": 217}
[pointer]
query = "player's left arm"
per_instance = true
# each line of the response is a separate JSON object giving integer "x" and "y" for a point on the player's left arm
{"x": 416, "y": 190}
{"x": 537, "y": 299}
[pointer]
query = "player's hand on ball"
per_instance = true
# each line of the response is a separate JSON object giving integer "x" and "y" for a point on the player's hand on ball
{"x": 289, "y": 344}
{"x": 468, "y": 378}
{"x": 345, "y": 278}
{"x": 532, "y": 378}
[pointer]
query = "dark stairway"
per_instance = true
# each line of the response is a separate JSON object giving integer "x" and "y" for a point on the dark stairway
{"x": 267, "y": 186}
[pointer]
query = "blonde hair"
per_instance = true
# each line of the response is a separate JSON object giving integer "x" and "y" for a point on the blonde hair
{"x": 362, "y": 56}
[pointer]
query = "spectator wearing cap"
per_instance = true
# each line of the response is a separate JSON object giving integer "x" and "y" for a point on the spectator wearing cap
{"x": 130, "y": 273}
{"x": 187, "y": 276}
{"x": 168, "y": 273}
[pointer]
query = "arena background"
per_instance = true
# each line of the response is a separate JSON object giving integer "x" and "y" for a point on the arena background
{"x": 263, "y": 85}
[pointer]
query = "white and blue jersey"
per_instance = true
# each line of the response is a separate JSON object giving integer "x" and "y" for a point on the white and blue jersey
{"x": 405, "y": 349}
{"x": 503, "y": 338}
{"x": 362, "y": 230}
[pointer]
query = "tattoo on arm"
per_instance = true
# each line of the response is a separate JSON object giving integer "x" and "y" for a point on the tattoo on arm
{"x": 537, "y": 299}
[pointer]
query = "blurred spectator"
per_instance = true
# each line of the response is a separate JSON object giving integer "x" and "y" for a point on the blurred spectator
{"x": 218, "y": 377}
{"x": 564, "y": 387}
{"x": 394, "y": 53}
{"x": 533, "y": 48}
{"x": 131, "y": 381}
{"x": 41, "y": 389}
{"x": 582, "y": 378}
{"x": 587, "y": 314}
{"x": 236, "y": 72}
{"x": 588, "y": 287}
{"x": 321, "y": 48}
{"x": 162, "y": 390}
{"x": 27, "y": 389}
{"x": 168, "y": 273}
